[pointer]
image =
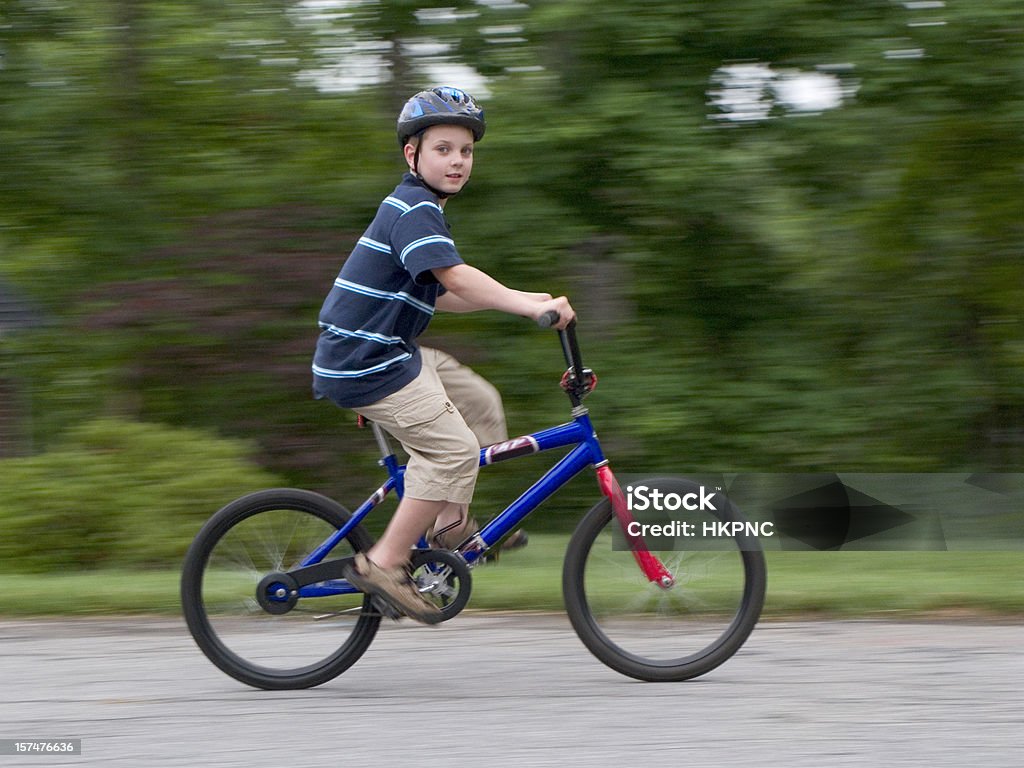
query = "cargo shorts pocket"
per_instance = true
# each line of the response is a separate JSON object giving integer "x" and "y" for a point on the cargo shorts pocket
{"x": 420, "y": 413}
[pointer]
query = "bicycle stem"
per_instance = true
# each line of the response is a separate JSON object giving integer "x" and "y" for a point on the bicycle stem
{"x": 577, "y": 388}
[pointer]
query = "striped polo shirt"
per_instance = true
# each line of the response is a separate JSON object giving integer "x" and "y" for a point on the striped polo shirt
{"x": 383, "y": 299}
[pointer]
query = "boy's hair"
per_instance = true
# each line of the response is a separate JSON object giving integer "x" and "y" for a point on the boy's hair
{"x": 440, "y": 106}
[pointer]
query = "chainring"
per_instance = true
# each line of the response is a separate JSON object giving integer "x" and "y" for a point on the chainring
{"x": 442, "y": 577}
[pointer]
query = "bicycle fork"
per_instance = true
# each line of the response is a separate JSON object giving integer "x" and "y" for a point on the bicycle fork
{"x": 651, "y": 566}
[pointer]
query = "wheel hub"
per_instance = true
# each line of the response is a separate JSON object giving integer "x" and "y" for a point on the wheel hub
{"x": 277, "y": 593}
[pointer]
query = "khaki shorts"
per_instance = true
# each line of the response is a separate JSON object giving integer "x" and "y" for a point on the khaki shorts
{"x": 442, "y": 419}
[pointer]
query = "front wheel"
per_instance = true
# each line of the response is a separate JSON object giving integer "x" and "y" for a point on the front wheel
{"x": 651, "y": 633}
{"x": 235, "y": 565}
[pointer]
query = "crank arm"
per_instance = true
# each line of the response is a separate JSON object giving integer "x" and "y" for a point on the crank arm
{"x": 326, "y": 571}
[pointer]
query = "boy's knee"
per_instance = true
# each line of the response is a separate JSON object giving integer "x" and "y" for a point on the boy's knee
{"x": 487, "y": 415}
{"x": 454, "y": 450}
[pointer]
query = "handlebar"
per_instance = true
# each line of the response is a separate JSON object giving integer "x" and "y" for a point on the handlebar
{"x": 548, "y": 319}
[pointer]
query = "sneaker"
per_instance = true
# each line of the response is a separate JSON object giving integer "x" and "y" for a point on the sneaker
{"x": 395, "y": 586}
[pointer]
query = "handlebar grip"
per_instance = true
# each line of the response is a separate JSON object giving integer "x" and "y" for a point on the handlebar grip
{"x": 548, "y": 319}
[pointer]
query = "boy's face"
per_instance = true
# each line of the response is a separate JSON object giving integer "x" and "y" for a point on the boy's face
{"x": 446, "y": 157}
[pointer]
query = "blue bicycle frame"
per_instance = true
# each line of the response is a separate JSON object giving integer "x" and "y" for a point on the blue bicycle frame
{"x": 586, "y": 451}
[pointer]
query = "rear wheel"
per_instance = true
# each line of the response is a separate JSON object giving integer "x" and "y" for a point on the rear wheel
{"x": 233, "y": 592}
{"x": 652, "y": 633}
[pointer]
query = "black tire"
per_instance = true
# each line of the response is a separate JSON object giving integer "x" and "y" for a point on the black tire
{"x": 655, "y": 634}
{"x": 258, "y": 534}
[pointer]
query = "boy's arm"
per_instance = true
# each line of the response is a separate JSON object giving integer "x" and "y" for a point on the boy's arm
{"x": 470, "y": 289}
{"x": 449, "y": 302}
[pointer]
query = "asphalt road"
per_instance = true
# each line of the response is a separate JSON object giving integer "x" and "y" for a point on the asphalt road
{"x": 521, "y": 690}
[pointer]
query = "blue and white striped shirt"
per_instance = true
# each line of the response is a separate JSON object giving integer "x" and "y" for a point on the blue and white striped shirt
{"x": 383, "y": 299}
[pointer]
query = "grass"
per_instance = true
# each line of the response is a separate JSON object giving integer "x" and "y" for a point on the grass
{"x": 847, "y": 584}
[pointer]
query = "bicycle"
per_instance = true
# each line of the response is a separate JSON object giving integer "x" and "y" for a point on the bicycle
{"x": 268, "y": 606}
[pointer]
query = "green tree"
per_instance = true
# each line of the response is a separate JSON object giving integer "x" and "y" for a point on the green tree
{"x": 768, "y": 278}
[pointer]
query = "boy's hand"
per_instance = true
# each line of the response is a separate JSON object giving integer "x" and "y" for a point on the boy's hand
{"x": 561, "y": 305}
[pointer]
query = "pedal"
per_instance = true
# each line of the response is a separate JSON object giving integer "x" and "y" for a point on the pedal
{"x": 385, "y": 609}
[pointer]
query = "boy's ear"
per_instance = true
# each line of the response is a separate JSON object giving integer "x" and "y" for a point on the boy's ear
{"x": 409, "y": 152}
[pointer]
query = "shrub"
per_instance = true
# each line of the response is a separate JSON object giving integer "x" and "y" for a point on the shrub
{"x": 117, "y": 493}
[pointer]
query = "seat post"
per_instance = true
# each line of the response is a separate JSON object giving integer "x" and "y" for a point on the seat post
{"x": 382, "y": 440}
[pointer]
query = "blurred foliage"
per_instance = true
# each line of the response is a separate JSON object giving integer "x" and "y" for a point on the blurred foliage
{"x": 117, "y": 493}
{"x": 764, "y": 283}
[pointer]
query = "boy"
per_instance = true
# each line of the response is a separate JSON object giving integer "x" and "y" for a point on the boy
{"x": 403, "y": 268}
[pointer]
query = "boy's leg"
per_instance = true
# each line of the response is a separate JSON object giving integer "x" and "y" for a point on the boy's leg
{"x": 480, "y": 404}
{"x": 443, "y": 461}
{"x": 441, "y": 472}
{"x": 477, "y": 399}
{"x": 383, "y": 569}
{"x": 412, "y": 518}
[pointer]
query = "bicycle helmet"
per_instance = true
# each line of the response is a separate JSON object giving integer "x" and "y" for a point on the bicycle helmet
{"x": 440, "y": 106}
